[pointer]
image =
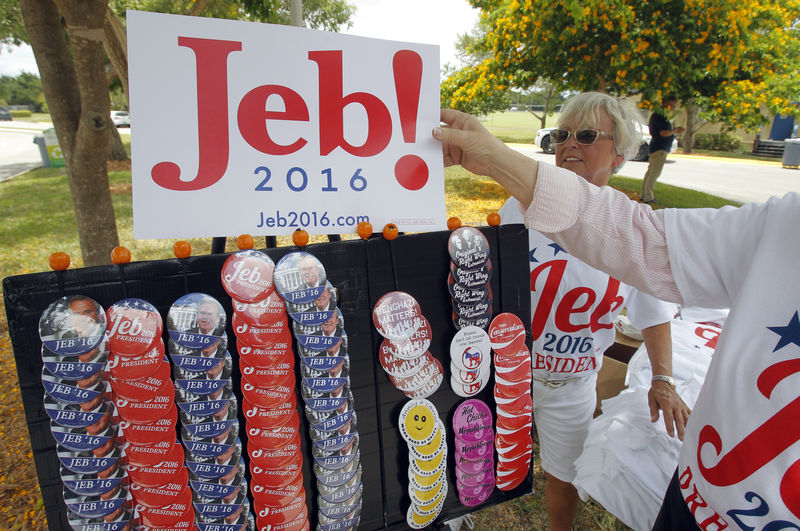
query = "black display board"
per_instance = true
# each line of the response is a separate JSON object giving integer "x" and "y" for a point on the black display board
{"x": 362, "y": 271}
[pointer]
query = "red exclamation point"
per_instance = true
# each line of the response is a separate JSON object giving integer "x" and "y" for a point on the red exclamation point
{"x": 410, "y": 170}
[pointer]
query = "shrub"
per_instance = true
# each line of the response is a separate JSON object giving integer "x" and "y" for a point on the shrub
{"x": 717, "y": 142}
{"x": 20, "y": 113}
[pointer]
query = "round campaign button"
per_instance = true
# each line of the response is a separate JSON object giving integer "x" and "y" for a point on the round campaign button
{"x": 512, "y": 358}
{"x": 416, "y": 520}
{"x": 280, "y": 373}
{"x": 472, "y": 421}
{"x": 476, "y": 278}
{"x": 508, "y": 480}
{"x": 265, "y": 357}
{"x": 268, "y": 418}
{"x": 512, "y": 422}
{"x": 324, "y": 366}
{"x": 481, "y": 478}
{"x": 71, "y": 368}
{"x": 473, "y": 311}
{"x": 300, "y": 277}
{"x": 148, "y": 411}
{"x": 419, "y": 379}
{"x": 79, "y": 440}
{"x": 277, "y": 477}
{"x": 427, "y": 452}
{"x": 87, "y": 391}
{"x": 260, "y": 336}
{"x": 280, "y": 514}
{"x": 506, "y": 389}
{"x": 475, "y": 496}
{"x": 161, "y": 429}
{"x": 332, "y": 326}
{"x": 397, "y": 315}
{"x": 134, "y": 326}
{"x": 428, "y": 389}
{"x": 468, "y": 248}
{"x": 321, "y": 343}
{"x": 398, "y": 367}
{"x": 196, "y": 321}
{"x": 268, "y": 397}
{"x": 467, "y": 390}
{"x": 425, "y": 483}
{"x": 72, "y": 325}
{"x": 160, "y": 473}
{"x": 473, "y": 467}
{"x": 264, "y": 313}
{"x": 145, "y": 388}
{"x": 276, "y": 496}
{"x": 418, "y": 422}
{"x": 146, "y": 456}
{"x": 508, "y": 450}
{"x": 247, "y": 275}
{"x": 87, "y": 463}
{"x": 95, "y": 507}
{"x": 414, "y": 346}
{"x": 520, "y": 405}
{"x": 510, "y": 375}
{"x": 275, "y": 438}
{"x": 463, "y": 295}
{"x": 276, "y": 458}
{"x": 138, "y": 367}
{"x": 168, "y": 515}
{"x": 469, "y": 348}
{"x": 463, "y": 322}
{"x": 465, "y": 376}
{"x": 507, "y": 334}
{"x": 313, "y": 317}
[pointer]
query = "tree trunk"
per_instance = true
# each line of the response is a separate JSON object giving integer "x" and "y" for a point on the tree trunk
{"x": 116, "y": 149}
{"x": 77, "y": 96}
{"x": 688, "y": 134}
{"x": 116, "y": 47}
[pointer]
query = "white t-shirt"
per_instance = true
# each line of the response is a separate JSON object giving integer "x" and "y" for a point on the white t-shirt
{"x": 573, "y": 307}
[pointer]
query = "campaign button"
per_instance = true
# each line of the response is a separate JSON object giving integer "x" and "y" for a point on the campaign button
{"x": 145, "y": 388}
{"x": 196, "y": 321}
{"x": 399, "y": 367}
{"x": 430, "y": 451}
{"x": 168, "y": 515}
{"x": 298, "y": 523}
{"x": 299, "y": 277}
{"x": 207, "y": 467}
{"x": 87, "y": 463}
{"x": 274, "y": 458}
{"x": 159, "y": 473}
{"x": 222, "y": 509}
{"x": 512, "y": 358}
{"x": 258, "y": 336}
{"x": 315, "y": 416}
{"x": 333, "y": 479}
{"x": 207, "y": 430}
{"x": 472, "y": 491}
{"x": 247, "y": 275}
{"x": 338, "y": 512}
{"x": 312, "y": 317}
{"x": 275, "y": 497}
{"x": 73, "y": 416}
{"x": 267, "y": 397}
{"x": 336, "y": 459}
{"x": 476, "y": 449}
{"x": 473, "y": 311}
{"x": 195, "y": 361}
{"x": 478, "y": 498}
{"x": 521, "y": 405}
{"x": 424, "y": 497}
{"x": 418, "y": 422}
{"x": 509, "y": 389}
{"x": 507, "y": 333}
{"x": 319, "y": 343}
{"x": 153, "y": 454}
{"x": 420, "y": 378}
{"x": 506, "y": 438}
{"x": 472, "y": 421}
{"x": 428, "y": 389}
{"x": 428, "y": 467}
{"x": 147, "y": 411}
{"x": 280, "y": 514}
{"x": 269, "y": 418}
{"x": 334, "y": 423}
{"x": 279, "y": 374}
{"x": 512, "y": 375}
{"x": 76, "y": 368}
{"x": 511, "y": 450}
{"x": 467, "y": 390}
{"x": 475, "y": 479}
{"x": 472, "y": 278}
{"x": 326, "y": 301}
{"x": 274, "y": 439}
{"x": 224, "y": 451}
{"x": 414, "y": 346}
{"x": 465, "y": 376}
{"x": 464, "y": 295}
{"x": 339, "y": 525}
{"x": 521, "y": 461}
{"x": 463, "y": 322}
{"x": 263, "y": 357}
{"x": 276, "y": 477}
{"x": 133, "y": 327}
{"x": 79, "y": 440}
{"x": 329, "y": 367}
{"x": 325, "y": 385}
{"x": 217, "y": 409}
{"x": 513, "y": 422}
{"x": 397, "y": 315}
{"x": 425, "y": 483}
{"x": 264, "y": 314}
{"x": 161, "y": 429}
{"x": 325, "y": 401}
{"x": 83, "y": 391}
{"x": 512, "y": 480}
{"x": 136, "y": 367}
{"x": 474, "y": 466}
{"x": 470, "y": 348}
{"x": 89, "y": 485}
{"x": 90, "y": 507}
{"x": 332, "y": 326}
{"x": 468, "y": 247}
{"x": 162, "y": 495}
{"x": 71, "y": 326}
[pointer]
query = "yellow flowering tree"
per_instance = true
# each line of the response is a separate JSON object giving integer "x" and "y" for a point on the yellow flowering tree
{"x": 698, "y": 50}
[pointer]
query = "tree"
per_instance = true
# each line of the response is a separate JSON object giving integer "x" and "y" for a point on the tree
{"x": 693, "y": 49}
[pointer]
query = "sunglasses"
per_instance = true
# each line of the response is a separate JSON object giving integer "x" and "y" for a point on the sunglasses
{"x": 586, "y": 137}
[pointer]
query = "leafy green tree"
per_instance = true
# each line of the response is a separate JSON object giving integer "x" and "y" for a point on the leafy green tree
{"x": 24, "y": 89}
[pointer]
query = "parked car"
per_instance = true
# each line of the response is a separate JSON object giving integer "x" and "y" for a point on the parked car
{"x": 121, "y": 118}
{"x": 5, "y": 114}
{"x": 542, "y": 140}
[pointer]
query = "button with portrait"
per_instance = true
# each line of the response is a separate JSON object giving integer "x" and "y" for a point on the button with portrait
{"x": 300, "y": 277}
{"x": 72, "y": 325}
{"x": 196, "y": 321}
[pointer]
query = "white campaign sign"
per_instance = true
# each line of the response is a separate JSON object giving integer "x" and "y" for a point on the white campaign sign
{"x": 240, "y": 127}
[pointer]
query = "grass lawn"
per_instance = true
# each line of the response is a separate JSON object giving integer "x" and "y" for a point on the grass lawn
{"x": 36, "y": 219}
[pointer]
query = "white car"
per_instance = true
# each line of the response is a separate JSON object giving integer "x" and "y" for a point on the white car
{"x": 121, "y": 118}
{"x": 542, "y": 140}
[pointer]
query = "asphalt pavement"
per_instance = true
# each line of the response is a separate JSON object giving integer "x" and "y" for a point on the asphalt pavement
{"x": 738, "y": 180}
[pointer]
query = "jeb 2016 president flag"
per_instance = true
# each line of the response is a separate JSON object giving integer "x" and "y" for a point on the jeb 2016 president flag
{"x": 240, "y": 127}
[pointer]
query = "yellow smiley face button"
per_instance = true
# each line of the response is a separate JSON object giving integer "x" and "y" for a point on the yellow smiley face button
{"x": 418, "y": 422}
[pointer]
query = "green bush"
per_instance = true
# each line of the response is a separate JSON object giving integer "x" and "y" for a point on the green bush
{"x": 22, "y": 113}
{"x": 717, "y": 142}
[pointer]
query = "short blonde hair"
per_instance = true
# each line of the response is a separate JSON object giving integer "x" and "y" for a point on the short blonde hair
{"x": 584, "y": 109}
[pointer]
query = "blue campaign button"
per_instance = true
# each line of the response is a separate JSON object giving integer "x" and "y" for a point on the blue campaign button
{"x": 311, "y": 318}
{"x": 336, "y": 479}
{"x": 216, "y": 510}
{"x": 78, "y": 524}
{"x": 83, "y": 464}
{"x": 71, "y": 415}
{"x": 192, "y": 340}
{"x": 214, "y": 491}
{"x": 335, "y": 462}
{"x": 318, "y": 343}
{"x": 84, "y": 508}
{"x": 196, "y": 321}
{"x": 89, "y": 485}
{"x": 339, "y": 511}
{"x": 195, "y": 363}
{"x": 77, "y": 440}
{"x": 325, "y": 403}
{"x": 325, "y": 385}
{"x": 71, "y": 394}
{"x": 201, "y": 387}
{"x": 342, "y": 494}
{"x": 72, "y": 346}
{"x": 334, "y": 423}
{"x": 322, "y": 363}
{"x": 204, "y": 408}
{"x": 72, "y": 325}
{"x": 209, "y": 469}
{"x": 204, "y": 449}
{"x": 299, "y": 277}
{"x": 73, "y": 370}
{"x": 335, "y": 444}
{"x": 209, "y": 429}
{"x": 341, "y": 525}
{"x": 220, "y": 527}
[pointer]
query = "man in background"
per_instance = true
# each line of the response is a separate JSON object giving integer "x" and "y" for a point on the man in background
{"x": 662, "y": 135}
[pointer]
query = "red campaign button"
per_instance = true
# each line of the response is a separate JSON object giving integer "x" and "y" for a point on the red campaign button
{"x": 134, "y": 326}
{"x": 510, "y": 390}
{"x": 511, "y": 481}
{"x": 274, "y": 458}
{"x": 269, "y": 418}
{"x": 168, "y": 515}
{"x": 149, "y": 411}
{"x": 513, "y": 422}
{"x": 274, "y": 497}
{"x": 264, "y": 313}
{"x": 514, "y": 462}
{"x": 521, "y": 405}
{"x": 138, "y": 367}
{"x": 508, "y": 451}
{"x": 398, "y": 367}
{"x": 513, "y": 359}
{"x": 397, "y": 315}
{"x": 162, "y": 495}
{"x": 293, "y": 462}
{"x": 276, "y": 477}
{"x": 300, "y": 523}
{"x": 506, "y": 438}
{"x": 413, "y": 347}
{"x": 278, "y": 374}
{"x": 282, "y": 514}
{"x": 160, "y": 473}
{"x": 258, "y": 336}
{"x": 144, "y": 389}
{"x": 149, "y": 455}
{"x": 506, "y": 333}
{"x": 277, "y": 438}
{"x": 162, "y": 429}
{"x": 520, "y": 373}
{"x": 247, "y": 275}
{"x": 269, "y": 356}
{"x": 268, "y": 397}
